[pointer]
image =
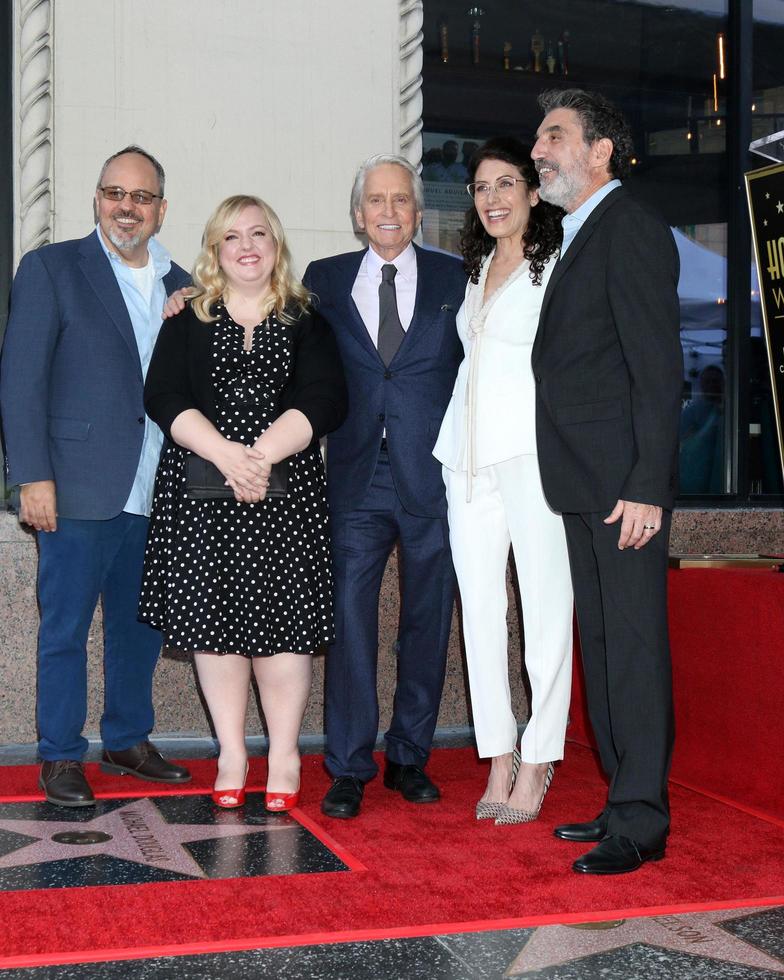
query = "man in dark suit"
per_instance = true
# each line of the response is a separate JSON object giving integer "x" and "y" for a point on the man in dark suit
{"x": 83, "y": 322}
{"x": 608, "y": 368}
{"x": 392, "y": 308}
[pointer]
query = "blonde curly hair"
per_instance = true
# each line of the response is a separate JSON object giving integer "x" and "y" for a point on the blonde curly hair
{"x": 289, "y": 296}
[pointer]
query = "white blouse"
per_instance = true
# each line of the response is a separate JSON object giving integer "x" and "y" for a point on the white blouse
{"x": 491, "y": 416}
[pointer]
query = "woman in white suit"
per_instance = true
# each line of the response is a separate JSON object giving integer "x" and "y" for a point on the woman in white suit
{"x": 487, "y": 445}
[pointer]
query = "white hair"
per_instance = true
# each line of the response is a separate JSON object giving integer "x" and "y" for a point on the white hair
{"x": 379, "y": 160}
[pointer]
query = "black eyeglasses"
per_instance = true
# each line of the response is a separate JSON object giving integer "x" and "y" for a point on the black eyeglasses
{"x": 119, "y": 194}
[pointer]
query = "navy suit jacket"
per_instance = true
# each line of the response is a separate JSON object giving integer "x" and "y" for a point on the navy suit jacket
{"x": 71, "y": 385}
{"x": 408, "y": 399}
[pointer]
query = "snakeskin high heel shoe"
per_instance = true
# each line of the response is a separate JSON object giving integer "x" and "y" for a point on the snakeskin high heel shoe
{"x": 508, "y": 814}
{"x": 487, "y": 811}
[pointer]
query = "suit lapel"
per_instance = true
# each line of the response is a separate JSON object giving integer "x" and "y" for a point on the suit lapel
{"x": 422, "y": 314}
{"x": 98, "y": 273}
{"x": 347, "y": 274}
{"x": 564, "y": 263}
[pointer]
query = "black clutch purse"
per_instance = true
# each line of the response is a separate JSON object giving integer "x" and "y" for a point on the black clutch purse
{"x": 204, "y": 481}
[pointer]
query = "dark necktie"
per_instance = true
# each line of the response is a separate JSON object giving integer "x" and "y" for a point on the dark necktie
{"x": 390, "y": 329}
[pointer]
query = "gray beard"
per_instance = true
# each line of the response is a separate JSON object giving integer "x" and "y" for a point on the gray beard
{"x": 561, "y": 191}
{"x": 567, "y": 187}
{"x": 124, "y": 243}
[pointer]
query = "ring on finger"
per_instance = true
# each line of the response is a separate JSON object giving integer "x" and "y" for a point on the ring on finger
{"x": 649, "y": 527}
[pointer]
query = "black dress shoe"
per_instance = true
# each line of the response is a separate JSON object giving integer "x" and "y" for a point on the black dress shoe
{"x": 412, "y": 782}
{"x": 64, "y": 783}
{"x": 617, "y": 856}
{"x": 145, "y": 762}
{"x": 584, "y": 833}
{"x": 344, "y": 798}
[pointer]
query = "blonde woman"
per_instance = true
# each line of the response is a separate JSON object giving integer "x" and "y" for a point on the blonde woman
{"x": 245, "y": 376}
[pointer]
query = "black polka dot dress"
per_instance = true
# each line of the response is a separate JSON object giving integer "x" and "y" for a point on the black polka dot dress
{"x": 227, "y": 577}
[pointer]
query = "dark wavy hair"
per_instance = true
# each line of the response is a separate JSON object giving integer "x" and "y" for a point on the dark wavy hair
{"x": 541, "y": 238}
{"x": 600, "y": 119}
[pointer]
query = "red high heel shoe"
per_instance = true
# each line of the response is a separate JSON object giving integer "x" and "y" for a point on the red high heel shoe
{"x": 229, "y": 799}
{"x": 280, "y": 802}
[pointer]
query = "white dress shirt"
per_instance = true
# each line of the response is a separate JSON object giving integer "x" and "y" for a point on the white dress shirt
{"x": 365, "y": 290}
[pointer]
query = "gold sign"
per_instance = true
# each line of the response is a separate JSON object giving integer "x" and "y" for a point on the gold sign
{"x": 765, "y": 193}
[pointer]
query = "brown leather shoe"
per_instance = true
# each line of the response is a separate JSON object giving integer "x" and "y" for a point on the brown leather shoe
{"x": 145, "y": 762}
{"x": 64, "y": 783}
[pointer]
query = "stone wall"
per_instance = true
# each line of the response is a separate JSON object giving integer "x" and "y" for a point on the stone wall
{"x": 178, "y": 708}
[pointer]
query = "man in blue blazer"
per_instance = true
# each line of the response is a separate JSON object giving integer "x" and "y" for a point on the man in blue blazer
{"x": 83, "y": 322}
{"x": 392, "y": 308}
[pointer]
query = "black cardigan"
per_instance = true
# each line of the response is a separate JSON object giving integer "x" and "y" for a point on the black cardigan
{"x": 179, "y": 375}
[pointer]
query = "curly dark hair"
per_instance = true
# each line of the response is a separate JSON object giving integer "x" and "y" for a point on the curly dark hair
{"x": 600, "y": 119}
{"x": 541, "y": 238}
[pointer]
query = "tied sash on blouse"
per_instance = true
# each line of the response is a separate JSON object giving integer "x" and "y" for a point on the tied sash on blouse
{"x": 477, "y": 312}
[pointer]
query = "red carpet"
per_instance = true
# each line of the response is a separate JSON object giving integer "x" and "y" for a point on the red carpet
{"x": 726, "y": 629}
{"x": 430, "y": 868}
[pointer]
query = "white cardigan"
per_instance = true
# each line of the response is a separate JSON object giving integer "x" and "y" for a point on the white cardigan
{"x": 504, "y": 406}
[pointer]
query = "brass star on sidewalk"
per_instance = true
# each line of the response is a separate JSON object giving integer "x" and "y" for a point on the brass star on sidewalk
{"x": 697, "y": 933}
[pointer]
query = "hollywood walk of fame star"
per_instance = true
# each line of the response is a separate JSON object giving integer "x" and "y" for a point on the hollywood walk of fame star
{"x": 699, "y": 934}
{"x": 136, "y": 831}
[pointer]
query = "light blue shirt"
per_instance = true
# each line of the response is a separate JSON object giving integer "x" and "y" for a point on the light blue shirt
{"x": 145, "y": 314}
{"x": 573, "y": 222}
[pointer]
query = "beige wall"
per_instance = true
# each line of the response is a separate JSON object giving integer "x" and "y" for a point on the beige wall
{"x": 278, "y": 99}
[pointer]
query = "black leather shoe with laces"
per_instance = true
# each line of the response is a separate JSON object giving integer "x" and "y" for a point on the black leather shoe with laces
{"x": 413, "y": 782}
{"x": 344, "y": 798}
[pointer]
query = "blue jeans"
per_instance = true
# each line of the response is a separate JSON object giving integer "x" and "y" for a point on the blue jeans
{"x": 79, "y": 562}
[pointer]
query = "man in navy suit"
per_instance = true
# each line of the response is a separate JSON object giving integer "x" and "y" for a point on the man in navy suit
{"x": 83, "y": 322}
{"x": 392, "y": 307}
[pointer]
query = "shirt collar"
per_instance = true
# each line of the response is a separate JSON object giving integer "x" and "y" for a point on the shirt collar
{"x": 580, "y": 215}
{"x": 161, "y": 259}
{"x": 405, "y": 263}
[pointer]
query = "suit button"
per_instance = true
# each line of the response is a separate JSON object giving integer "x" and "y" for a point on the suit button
{"x": 140, "y": 420}
{"x": 387, "y": 375}
{"x": 381, "y": 416}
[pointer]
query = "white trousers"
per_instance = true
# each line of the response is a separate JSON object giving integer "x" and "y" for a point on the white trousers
{"x": 508, "y": 506}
